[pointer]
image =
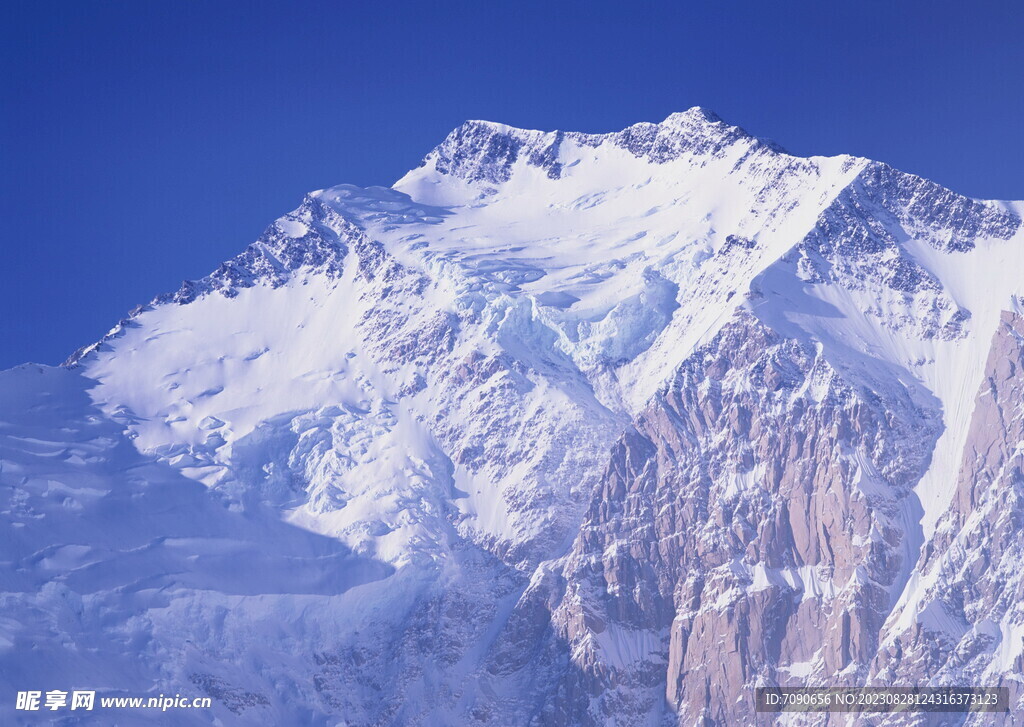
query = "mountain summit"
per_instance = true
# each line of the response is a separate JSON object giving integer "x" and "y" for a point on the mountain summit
{"x": 561, "y": 429}
{"x": 483, "y": 151}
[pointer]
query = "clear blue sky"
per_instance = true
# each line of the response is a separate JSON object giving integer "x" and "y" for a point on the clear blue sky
{"x": 144, "y": 142}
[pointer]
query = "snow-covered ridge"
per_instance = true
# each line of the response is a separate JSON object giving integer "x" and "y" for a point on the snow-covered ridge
{"x": 481, "y": 157}
{"x": 484, "y": 151}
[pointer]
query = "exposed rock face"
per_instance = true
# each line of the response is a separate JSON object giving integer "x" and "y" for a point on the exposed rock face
{"x": 563, "y": 429}
{"x": 970, "y": 623}
{"x": 481, "y": 151}
{"x": 747, "y": 533}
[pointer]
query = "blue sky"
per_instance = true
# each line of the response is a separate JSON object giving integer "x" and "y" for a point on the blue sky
{"x": 141, "y": 143}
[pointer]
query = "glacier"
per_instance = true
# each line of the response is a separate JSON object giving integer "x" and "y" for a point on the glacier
{"x": 560, "y": 429}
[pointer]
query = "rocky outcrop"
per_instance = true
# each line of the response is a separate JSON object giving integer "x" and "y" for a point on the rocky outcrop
{"x": 966, "y": 625}
{"x": 747, "y": 532}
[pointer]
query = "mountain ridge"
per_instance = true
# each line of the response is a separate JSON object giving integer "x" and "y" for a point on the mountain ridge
{"x": 691, "y": 116}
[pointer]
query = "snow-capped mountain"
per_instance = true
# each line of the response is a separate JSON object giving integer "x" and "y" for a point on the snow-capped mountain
{"x": 561, "y": 429}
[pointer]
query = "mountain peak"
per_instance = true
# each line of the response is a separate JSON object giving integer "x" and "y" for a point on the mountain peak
{"x": 690, "y": 118}
{"x": 479, "y": 151}
{"x": 700, "y": 121}
{"x": 694, "y": 113}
